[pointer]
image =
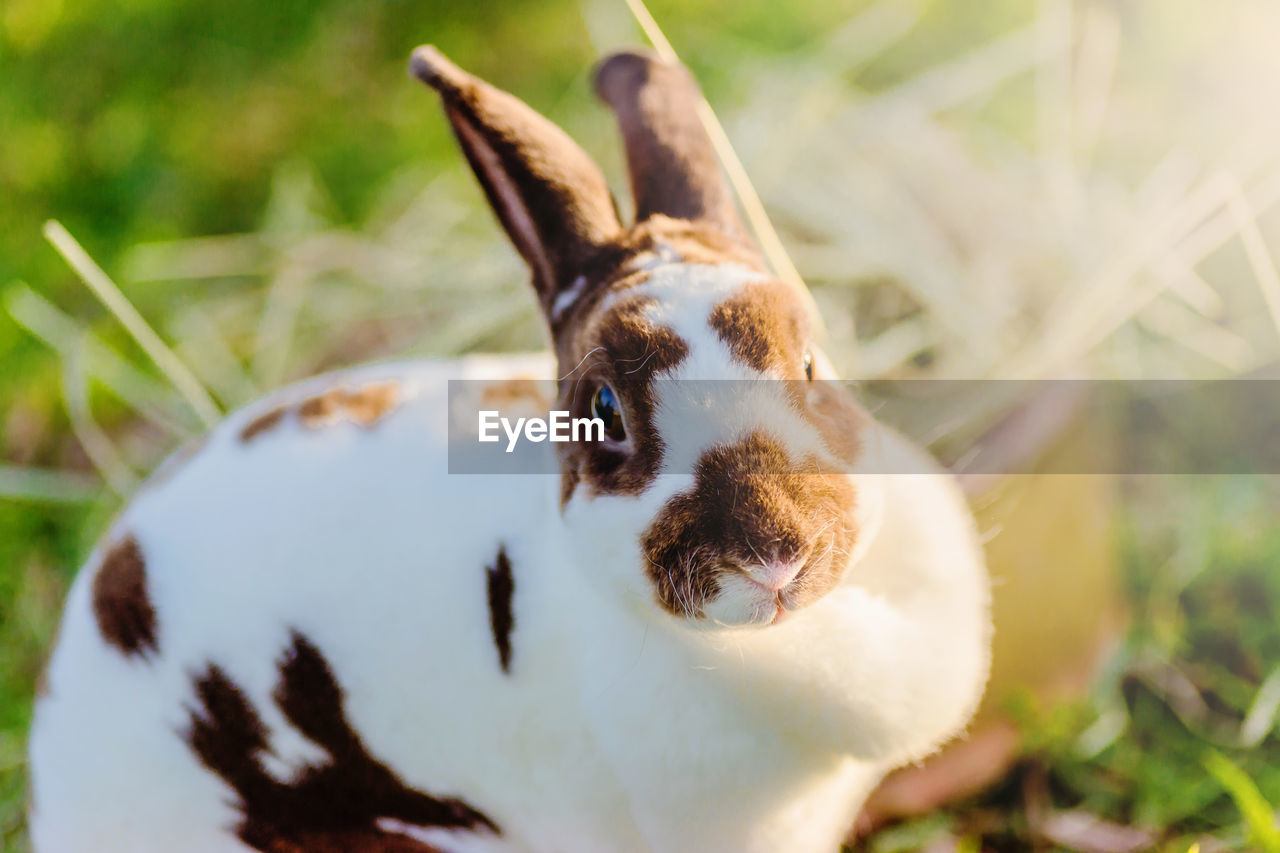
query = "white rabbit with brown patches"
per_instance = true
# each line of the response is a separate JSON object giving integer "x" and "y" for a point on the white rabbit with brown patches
{"x": 713, "y": 630}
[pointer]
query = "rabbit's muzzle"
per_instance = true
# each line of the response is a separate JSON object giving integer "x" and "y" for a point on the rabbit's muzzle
{"x": 760, "y": 534}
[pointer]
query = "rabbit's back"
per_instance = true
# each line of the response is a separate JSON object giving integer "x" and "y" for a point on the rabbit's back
{"x": 308, "y": 606}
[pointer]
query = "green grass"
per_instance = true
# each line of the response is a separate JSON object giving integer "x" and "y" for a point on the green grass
{"x": 145, "y": 121}
{"x": 1158, "y": 745}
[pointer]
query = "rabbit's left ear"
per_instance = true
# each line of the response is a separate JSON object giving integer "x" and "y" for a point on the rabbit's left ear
{"x": 673, "y": 166}
{"x": 549, "y": 195}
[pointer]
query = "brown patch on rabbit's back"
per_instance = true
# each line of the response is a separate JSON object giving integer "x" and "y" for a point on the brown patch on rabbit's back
{"x": 358, "y": 841}
{"x": 364, "y": 406}
{"x": 351, "y": 802}
{"x": 499, "y": 588}
{"x": 519, "y": 393}
{"x": 262, "y": 424}
{"x": 121, "y": 603}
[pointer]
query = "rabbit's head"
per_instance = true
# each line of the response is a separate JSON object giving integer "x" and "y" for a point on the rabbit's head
{"x": 720, "y": 490}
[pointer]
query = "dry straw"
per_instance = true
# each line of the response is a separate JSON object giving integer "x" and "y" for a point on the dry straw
{"x": 107, "y": 291}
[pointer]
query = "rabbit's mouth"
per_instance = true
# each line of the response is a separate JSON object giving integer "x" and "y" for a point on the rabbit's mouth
{"x": 760, "y": 608}
{"x": 758, "y": 594}
{"x": 758, "y": 536}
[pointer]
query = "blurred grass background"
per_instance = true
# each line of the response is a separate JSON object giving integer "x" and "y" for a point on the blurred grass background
{"x": 1010, "y": 189}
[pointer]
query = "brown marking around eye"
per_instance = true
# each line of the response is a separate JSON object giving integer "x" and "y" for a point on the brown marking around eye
{"x": 363, "y": 406}
{"x": 750, "y": 502}
{"x": 499, "y": 587}
{"x": 262, "y": 424}
{"x": 338, "y": 806}
{"x": 121, "y": 604}
{"x": 630, "y": 350}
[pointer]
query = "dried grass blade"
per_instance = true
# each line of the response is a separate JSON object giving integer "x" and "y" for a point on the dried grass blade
{"x": 1184, "y": 327}
{"x": 75, "y": 392}
{"x": 37, "y": 484}
{"x": 155, "y": 402}
{"x": 975, "y": 73}
{"x": 1264, "y": 267}
{"x": 1095, "y": 76}
{"x": 867, "y": 34}
{"x": 274, "y": 337}
{"x": 111, "y": 296}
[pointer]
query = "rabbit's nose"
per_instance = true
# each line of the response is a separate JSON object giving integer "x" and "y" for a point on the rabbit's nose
{"x": 775, "y": 574}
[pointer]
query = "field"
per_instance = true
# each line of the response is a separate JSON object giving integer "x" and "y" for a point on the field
{"x": 1004, "y": 193}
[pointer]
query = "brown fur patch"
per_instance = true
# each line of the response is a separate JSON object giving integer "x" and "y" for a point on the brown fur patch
{"x": 353, "y": 841}
{"x": 364, "y": 406}
{"x": 751, "y": 502}
{"x": 500, "y": 586}
{"x": 262, "y": 424}
{"x": 765, "y": 327}
{"x": 335, "y": 807}
{"x": 620, "y": 347}
{"x": 121, "y": 604}
{"x": 696, "y": 242}
{"x": 517, "y": 394}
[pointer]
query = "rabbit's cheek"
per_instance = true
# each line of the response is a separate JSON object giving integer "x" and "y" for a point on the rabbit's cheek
{"x": 606, "y": 531}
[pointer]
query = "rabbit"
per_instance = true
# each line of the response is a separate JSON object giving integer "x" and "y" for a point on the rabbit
{"x": 712, "y": 626}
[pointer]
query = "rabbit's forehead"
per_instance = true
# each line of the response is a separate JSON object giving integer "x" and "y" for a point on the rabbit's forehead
{"x": 745, "y": 354}
{"x": 731, "y": 321}
{"x": 689, "y": 346}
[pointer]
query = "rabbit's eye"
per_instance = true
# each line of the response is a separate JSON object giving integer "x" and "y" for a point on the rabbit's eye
{"x": 808, "y": 365}
{"x": 604, "y": 405}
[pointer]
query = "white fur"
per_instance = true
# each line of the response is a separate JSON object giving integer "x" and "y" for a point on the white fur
{"x": 619, "y": 727}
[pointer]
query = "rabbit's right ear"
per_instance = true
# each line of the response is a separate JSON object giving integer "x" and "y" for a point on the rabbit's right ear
{"x": 549, "y": 195}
